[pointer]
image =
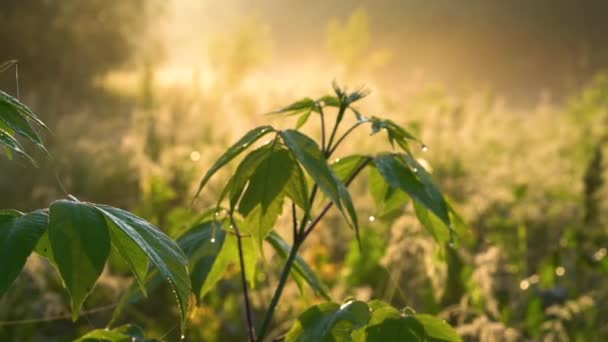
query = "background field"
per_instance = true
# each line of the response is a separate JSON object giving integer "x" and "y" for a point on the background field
{"x": 143, "y": 96}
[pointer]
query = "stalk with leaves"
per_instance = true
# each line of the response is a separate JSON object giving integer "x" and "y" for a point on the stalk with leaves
{"x": 292, "y": 169}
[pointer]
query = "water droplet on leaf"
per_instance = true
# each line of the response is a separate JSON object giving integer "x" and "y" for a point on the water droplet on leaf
{"x": 424, "y": 148}
{"x": 212, "y": 240}
{"x": 372, "y": 218}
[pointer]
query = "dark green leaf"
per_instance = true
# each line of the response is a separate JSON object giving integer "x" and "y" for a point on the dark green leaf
{"x": 233, "y": 151}
{"x": 437, "y": 330}
{"x": 262, "y": 202}
{"x": 300, "y": 267}
{"x": 296, "y": 188}
{"x": 402, "y": 172}
{"x": 388, "y": 324}
{"x": 130, "y": 251}
{"x": 329, "y": 322}
{"x": 308, "y": 153}
{"x": 18, "y": 236}
{"x": 81, "y": 244}
{"x": 389, "y": 200}
{"x": 395, "y": 133}
{"x": 202, "y": 244}
{"x": 164, "y": 252}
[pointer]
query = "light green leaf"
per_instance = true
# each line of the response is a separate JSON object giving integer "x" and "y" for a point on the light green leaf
{"x": 404, "y": 173}
{"x": 18, "y": 236}
{"x": 329, "y": 322}
{"x": 233, "y": 151}
{"x": 123, "y": 333}
{"x": 345, "y": 167}
{"x": 81, "y": 244}
{"x": 302, "y": 119}
{"x": 300, "y": 267}
{"x": 9, "y": 142}
{"x": 296, "y": 188}
{"x": 162, "y": 251}
{"x": 23, "y": 109}
{"x": 304, "y": 105}
{"x": 308, "y": 153}
{"x": 7, "y": 64}
{"x": 17, "y": 122}
{"x": 437, "y": 330}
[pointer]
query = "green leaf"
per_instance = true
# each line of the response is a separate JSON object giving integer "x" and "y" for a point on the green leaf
{"x": 12, "y": 144}
{"x": 436, "y": 227}
{"x": 124, "y": 333}
{"x": 302, "y": 119}
{"x": 238, "y": 181}
{"x": 164, "y": 253}
{"x": 23, "y": 109}
{"x": 81, "y": 244}
{"x": 262, "y": 202}
{"x": 308, "y": 153}
{"x": 345, "y": 167}
{"x": 12, "y": 118}
{"x": 329, "y": 322}
{"x": 19, "y": 234}
{"x": 202, "y": 245}
{"x": 130, "y": 251}
{"x": 304, "y": 105}
{"x": 395, "y": 133}
{"x": 300, "y": 267}
{"x": 233, "y": 151}
{"x": 296, "y": 188}
{"x": 7, "y": 64}
{"x": 385, "y": 325}
{"x": 437, "y": 330}
{"x": 330, "y": 101}
{"x": 389, "y": 201}
{"x": 402, "y": 172}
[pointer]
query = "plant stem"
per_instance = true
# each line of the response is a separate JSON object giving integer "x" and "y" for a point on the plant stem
{"x": 278, "y": 291}
{"x": 322, "y": 114}
{"x": 244, "y": 281}
{"x": 335, "y": 128}
{"x": 331, "y": 150}
{"x": 293, "y": 253}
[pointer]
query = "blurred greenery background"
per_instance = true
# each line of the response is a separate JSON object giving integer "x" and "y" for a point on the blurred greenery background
{"x": 510, "y": 97}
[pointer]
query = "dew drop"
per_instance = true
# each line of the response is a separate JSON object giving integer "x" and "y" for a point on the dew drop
{"x": 424, "y": 148}
{"x": 372, "y": 218}
{"x": 212, "y": 240}
{"x": 183, "y": 337}
{"x": 195, "y": 156}
{"x": 415, "y": 169}
{"x": 216, "y": 214}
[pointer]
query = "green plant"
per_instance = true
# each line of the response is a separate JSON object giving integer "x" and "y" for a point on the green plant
{"x": 279, "y": 171}
{"x": 291, "y": 167}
